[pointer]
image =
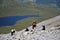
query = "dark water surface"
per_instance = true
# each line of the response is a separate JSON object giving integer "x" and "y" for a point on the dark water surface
{"x": 11, "y": 20}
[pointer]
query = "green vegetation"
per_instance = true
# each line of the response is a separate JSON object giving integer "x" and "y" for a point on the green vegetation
{"x": 12, "y": 8}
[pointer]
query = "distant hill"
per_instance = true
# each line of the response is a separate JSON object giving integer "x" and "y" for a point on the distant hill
{"x": 12, "y": 7}
{"x": 46, "y": 2}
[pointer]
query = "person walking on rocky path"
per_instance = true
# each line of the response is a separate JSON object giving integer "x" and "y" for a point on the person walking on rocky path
{"x": 12, "y": 32}
{"x": 43, "y": 27}
{"x": 33, "y": 24}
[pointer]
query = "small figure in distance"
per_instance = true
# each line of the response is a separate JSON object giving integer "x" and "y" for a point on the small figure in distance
{"x": 43, "y": 27}
{"x": 12, "y": 32}
{"x": 33, "y": 24}
{"x": 27, "y": 29}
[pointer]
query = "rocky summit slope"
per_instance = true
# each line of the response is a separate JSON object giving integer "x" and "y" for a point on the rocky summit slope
{"x": 52, "y": 31}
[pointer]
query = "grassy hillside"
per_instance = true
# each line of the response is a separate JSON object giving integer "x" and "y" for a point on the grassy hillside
{"x": 13, "y": 8}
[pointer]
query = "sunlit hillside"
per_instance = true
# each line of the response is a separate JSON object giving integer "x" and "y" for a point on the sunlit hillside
{"x": 14, "y": 8}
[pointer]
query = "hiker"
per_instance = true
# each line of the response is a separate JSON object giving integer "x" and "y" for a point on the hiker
{"x": 27, "y": 29}
{"x": 12, "y": 32}
{"x": 33, "y": 24}
{"x": 43, "y": 27}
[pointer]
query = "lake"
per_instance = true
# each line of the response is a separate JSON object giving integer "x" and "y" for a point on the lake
{"x": 11, "y": 20}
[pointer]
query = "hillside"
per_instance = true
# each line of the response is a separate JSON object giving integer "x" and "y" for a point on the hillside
{"x": 52, "y": 31}
{"x": 14, "y": 8}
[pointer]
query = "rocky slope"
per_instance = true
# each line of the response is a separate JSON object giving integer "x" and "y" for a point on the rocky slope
{"x": 52, "y": 31}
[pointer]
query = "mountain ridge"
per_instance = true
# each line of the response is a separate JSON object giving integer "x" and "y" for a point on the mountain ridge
{"x": 45, "y": 2}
